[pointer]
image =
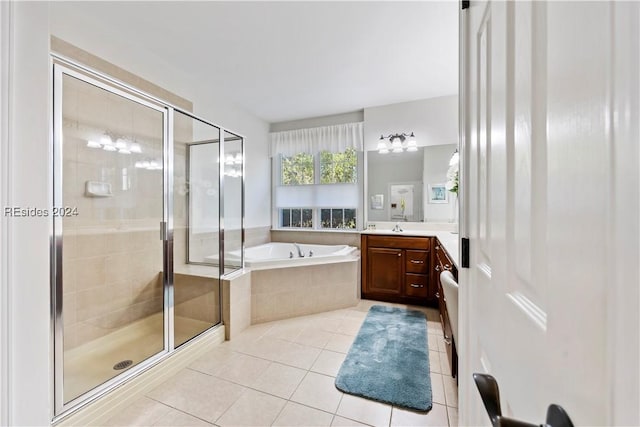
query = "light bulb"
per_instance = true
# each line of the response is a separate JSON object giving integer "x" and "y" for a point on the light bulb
{"x": 105, "y": 140}
{"x": 124, "y": 151}
{"x": 397, "y": 150}
{"x": 121, "y": 144}
{"x": 109, "y": 147}
{"x": 135, "y": 148}
{"x": 383, "y": 150}
{"x": 238, "y": 159}
{"x": 412, "y": 148}
{"x": 396, "y": 144}
{"x": 229, "y": 160}
{"x": 382, "y": 145}
{"x": 93, "y": 144}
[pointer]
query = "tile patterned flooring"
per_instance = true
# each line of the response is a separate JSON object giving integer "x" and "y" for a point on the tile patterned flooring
{"x": 282, "y": 373}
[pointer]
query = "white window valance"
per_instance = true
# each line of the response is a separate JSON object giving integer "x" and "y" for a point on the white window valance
{"x": 335, "y": 139}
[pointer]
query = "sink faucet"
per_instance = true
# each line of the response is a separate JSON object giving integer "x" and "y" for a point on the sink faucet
{"x": 300, "y": 252}
{"x": 397, "y": 228}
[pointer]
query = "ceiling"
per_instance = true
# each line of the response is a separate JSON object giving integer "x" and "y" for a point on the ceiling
{"x": 278, "y": 60}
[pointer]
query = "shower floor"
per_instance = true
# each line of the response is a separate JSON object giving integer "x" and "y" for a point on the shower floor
{"x": 91, "y": 364}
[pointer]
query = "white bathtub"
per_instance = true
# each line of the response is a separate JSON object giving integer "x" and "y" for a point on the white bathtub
{"x": 279, "y": 255}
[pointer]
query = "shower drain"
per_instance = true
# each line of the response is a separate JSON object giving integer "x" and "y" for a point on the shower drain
{"x": 121, "y": 365}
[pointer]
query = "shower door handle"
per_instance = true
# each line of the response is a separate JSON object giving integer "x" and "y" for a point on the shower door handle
{"x": 163, "y": 230}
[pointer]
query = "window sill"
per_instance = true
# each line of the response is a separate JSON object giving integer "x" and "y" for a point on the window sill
{"x": 315, "y": 230}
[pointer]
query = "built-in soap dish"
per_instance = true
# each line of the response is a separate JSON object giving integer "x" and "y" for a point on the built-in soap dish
{"x": 97, "y": 189}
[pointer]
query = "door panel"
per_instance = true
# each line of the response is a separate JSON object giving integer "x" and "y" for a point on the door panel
{"x": 110, "y": 254}
{"x": 537, "y": 187}
{"x": 385, "y": 271}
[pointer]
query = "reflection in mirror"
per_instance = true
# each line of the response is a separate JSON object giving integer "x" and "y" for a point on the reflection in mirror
{"x": 410, "y": 186}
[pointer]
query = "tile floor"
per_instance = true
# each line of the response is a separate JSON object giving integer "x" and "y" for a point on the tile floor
{"x": 282, "y": 374}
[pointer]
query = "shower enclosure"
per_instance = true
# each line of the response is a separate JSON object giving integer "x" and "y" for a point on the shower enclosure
{"x": 147, "y": 205}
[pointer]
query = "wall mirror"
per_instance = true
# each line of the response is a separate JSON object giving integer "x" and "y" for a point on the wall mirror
{"x": 409, "y": 186}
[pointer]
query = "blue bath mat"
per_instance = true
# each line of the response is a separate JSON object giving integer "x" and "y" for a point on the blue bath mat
{"x": 389, "y": 359}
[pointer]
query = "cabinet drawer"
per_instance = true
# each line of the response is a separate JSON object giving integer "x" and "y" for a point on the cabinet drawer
{"x": 416, "y": 285}
{"x": 417, "y": 262}
{"x": 399, "y": 242}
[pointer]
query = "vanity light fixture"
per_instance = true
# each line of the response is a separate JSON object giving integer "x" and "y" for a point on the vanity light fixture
{"x": 397, "y": 143}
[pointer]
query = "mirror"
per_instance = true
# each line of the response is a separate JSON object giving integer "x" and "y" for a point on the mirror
{"x": 409, "y": 186}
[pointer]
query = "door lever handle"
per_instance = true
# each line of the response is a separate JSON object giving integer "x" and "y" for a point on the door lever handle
{"x": 490, "y": 394}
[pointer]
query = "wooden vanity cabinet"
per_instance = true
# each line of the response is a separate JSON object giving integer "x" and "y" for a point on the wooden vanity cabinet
{"x": 441, "y": 263}
{"x": 397, "y": 269}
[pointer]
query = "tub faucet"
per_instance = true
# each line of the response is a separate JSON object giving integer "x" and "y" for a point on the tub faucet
{"x": 300, "y": 252}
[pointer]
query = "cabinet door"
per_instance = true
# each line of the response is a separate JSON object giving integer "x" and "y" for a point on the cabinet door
{"x": 385, "y": 270}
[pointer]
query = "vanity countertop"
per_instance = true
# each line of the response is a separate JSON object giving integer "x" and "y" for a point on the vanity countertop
{"x": 449, "y": 240}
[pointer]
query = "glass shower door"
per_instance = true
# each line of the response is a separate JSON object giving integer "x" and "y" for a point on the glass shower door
{"x": 109, "y": 225}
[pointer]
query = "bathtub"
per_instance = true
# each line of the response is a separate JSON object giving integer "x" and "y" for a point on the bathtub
{"x": 284, "y": 286}
{"x": 280, "y": 255}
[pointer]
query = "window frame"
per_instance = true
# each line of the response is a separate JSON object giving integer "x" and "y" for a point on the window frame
{"x": 276, "y": 177}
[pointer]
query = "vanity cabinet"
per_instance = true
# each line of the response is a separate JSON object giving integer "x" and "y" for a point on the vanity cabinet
{"x": 442, "y": 262}
{"x": 397, "y": 269}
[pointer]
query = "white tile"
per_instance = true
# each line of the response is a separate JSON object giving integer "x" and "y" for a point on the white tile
{"x": 432, "y": 339}
{"x": 143, "y": 411}
{"x": 437, "y": 389}
{"x": 243, "y": 369}
{"x": 298, "y": 355}
{"x": 436, "y": 417}
{"x": 442, "y": 347}
{"x": 253, "y": 408}
{"x": 177, "y": 418}
{"x": 295, "y": 414}
{"x": 364, "y": 410}
{"x": 344, "y": 422}
{"x": 212, "y": 361}
{"x": 434, "y": 362}
{"x": 279, "y": 380}
{"x": 286, "y": 331}
{"x": 318, "y": 391}
{"x": 328, "y": 363}
{"x": 198, "y": 394}
{"x": 314, "y": 337}
{"x": 453, "y": 416}
{"x": 450, "y": 390}
{"x": 349, "y": 326}
{"x": 340, "y": 343}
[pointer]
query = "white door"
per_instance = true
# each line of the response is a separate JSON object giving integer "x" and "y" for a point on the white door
{"x": 550, "y": 206}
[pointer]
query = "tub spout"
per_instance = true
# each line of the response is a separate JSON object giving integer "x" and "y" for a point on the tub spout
{"x": 300, "y": 252}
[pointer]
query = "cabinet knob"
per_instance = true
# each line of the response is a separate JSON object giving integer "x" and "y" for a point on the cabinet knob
{"x": 417, "y": 285}
{"x": 400, "y": 254}
{"x": 446, "y": 267}
{"x": 437, "y": 267}
{"x": 416, "y": 261}
{"x": 437, "y": 294}
{"x": 437, "y": 247}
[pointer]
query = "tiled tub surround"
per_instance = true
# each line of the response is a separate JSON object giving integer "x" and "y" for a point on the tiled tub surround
{"x": 280, "y": 293}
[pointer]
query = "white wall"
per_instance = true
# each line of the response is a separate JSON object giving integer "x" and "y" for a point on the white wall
{"x": 434, "y": 121}
{"x": 26, "y": 183}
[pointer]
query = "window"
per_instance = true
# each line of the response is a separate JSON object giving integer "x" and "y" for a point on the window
{"x": 297, "y": 170}
{"x": 339, "y": 167}
{"x": 338, "y": 218}
{"x": 316, "y": 175}
{"x": 296, "y": 218}
{"x": 326, "y": 183}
